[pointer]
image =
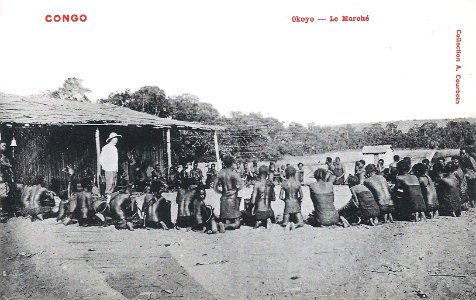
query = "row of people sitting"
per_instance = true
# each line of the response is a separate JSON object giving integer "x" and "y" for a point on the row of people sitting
{"x": 413, "y": 197}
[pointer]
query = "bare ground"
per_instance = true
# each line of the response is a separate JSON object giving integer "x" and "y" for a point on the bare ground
{"x": 45, "y": 260}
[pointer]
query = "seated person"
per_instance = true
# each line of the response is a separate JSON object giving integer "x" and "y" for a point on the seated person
{"x": 360, "y": 170}
{"x": 330, "y": 176}
{"x": 428, "y": 189}
{"x": 462, "y": 183}
{"x": 121, "y": 208}
{"x": 291, "y": 194}
{"x": 364, "y": 199}
{"x": 155, "y": 208}
{"x": 79, "y": 206}
{"x": 322, "y": 196}
{"x": 408, "y": 195}
{"x": 392, "y": 174}
{"x": 380, "y": 167}
{"x": 37, "y": 201}
{"x": 228, "y": 183}
{"x": 447, "y": 190}
{"x": 339, "y": 172}
{"x": 204, "y": 216}
{"x": 470, "y": 176}
{"x": 263, "y": 194}
{"x": 378, "y": 185}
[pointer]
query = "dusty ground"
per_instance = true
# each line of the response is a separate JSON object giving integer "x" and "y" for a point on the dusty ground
{"x": 45, "y": 260}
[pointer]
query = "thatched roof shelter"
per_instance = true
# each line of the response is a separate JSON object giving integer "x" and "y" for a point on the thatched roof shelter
{"x": 49, "y": 111}
{"x": 52, "y": 133}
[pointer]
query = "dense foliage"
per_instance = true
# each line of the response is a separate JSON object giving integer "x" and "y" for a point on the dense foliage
{"x": 72, "y": 89}
{"x": 252, "y": 135}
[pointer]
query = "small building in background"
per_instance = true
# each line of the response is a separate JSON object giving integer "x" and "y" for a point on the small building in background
{"x": 372, "y": 154}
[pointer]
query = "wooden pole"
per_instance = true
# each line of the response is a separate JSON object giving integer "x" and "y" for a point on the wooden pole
{"x": 160, "y": 149}
{"x": 169, "y": 150}
{"x": 98, "y": 153}
{"x": 217, "y": 150}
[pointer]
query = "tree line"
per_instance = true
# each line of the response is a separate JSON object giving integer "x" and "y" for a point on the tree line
{"x": 253, "y": 136}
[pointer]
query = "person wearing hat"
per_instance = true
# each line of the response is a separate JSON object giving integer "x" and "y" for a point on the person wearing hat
{"x": 109, "y": 160}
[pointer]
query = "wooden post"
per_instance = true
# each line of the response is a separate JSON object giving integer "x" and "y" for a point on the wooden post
{"x": 169, "y": 150}
{"x": 98, "y": 153}
{"x": 217, "y": 151}
{"x": 160, "y": 149}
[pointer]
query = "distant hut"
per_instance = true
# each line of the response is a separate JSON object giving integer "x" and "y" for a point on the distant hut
{"x": 46, "y": 135}
{"x": 372, "y": 154}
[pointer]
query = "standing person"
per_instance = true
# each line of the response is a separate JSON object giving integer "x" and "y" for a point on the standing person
{"x": 133, "y": 167}
{"x": 282, "y": 173}
{"x": 184, "y": 175}
{"x": 263, "y": 194}
{"x": 377, "y": 184}
{"x": 238, "y": 167}
{"x": 428, "y": 189}
{"x": 254, "y": 172}
{"x": 5, "y": 177}
{"x": 196, "y": 176}
{"x": 211, "y": 175}
{"x": 228, "y": 183}
{"x": 157, "y": 173}
{"x": 291, "y": 194}
{"x": 408, "y": 192}
{"x": 184, "y": 199}
{"x": 109, "y": 160}
{"x": 173, "y": 177}
{"x": 244, "y": 172}
{"x": 322, "y": 196}
{"x": 300, "y": 173}
{"x": 339, "y": 172}
{"x": 271, "y": 171}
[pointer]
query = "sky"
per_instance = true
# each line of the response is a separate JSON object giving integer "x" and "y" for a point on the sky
{"x": 249, "y": 56}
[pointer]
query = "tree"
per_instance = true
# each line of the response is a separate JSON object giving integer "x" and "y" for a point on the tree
{"x": 252, "y": 135}
{"x": 119, "y": 99}
{"x": 73, "y": 90}
{"x": 148, "y": 99}
{"x": 374, "y": 134}
{"x": 188, "y": 107}
{"x": 152, "y": 100}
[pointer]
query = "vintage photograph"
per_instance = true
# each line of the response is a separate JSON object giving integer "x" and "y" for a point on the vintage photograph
{"x": 237, "y": 149}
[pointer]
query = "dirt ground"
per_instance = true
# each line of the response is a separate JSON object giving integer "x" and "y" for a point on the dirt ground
{"x": 403, "y": 260}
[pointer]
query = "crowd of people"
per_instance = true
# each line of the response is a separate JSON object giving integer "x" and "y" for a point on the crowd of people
{"x": 402, "y": 191}
{"x": 379, "y": 194}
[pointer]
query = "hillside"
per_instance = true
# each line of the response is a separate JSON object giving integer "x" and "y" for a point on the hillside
{"x": 405, "y": 125}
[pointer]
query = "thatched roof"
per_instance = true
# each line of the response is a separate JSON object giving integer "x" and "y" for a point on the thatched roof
{"x": 48, "y": 111}
{"x": 380, "y": 149}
